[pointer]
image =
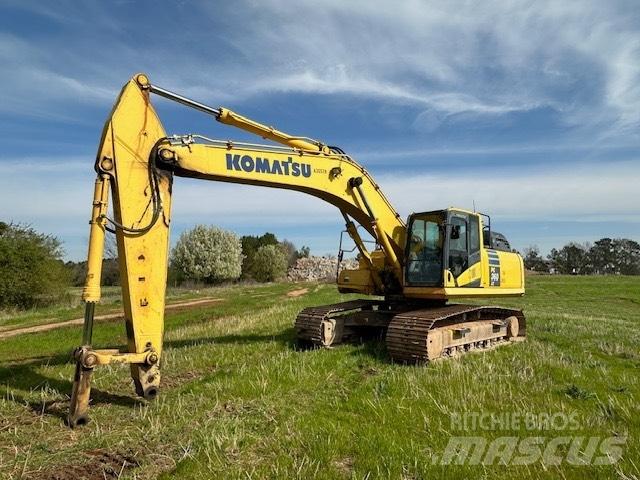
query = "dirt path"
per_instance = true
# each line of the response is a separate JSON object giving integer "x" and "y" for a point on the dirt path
{"x": 297, "y": 293}
{"x": 200, "y": 302}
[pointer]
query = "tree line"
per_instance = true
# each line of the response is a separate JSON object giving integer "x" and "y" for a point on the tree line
{"x": 33, "y": 273}
{"x": 618, "y": 256}
{"x": 210, "y": 255}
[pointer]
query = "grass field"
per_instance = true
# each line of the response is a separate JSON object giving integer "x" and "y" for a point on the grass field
{"x": 239, "y": 401}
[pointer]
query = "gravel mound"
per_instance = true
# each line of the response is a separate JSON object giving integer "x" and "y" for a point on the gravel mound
{"x": 318, "y": 268}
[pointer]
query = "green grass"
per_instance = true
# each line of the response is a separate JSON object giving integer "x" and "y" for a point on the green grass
{"x": 240, "y": 402}
{"x": 72, "y": 307}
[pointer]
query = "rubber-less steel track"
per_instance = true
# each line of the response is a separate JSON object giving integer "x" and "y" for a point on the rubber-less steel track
{"x": 309, "y": 324}
{"x": 408, "y": 335}
{"x": 414, "y": 335}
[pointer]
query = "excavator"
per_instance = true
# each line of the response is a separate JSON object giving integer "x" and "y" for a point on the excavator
{"x": 411, "y": 274}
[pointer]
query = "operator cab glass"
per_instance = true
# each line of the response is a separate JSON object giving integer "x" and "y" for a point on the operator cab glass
{"x": 439, "y": 241}
{"x": 425, "y": 249}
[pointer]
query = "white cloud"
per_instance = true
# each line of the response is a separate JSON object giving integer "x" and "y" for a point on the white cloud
{"x": 59, "y": 202}
{"x": 445, "y": 60}
{"x": 200, "y": 202}
{"x": 581, "y": 59}
{"x": 582, "y": 193}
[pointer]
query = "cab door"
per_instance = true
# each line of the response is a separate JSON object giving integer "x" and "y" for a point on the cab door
{"x": 462, "y": 254}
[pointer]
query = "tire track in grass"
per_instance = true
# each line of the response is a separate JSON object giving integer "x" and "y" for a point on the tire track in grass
{"x": 201, "y": 302}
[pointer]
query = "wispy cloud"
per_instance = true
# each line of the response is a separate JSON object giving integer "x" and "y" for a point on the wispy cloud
{"x": 453, "y": 57}
{"x": 570, "y": 69}
{"x": 579, "y": 59}
{"x": 59, "y": 199}
{"x": 338, "y": 80}
{"x": 583, "y": 192}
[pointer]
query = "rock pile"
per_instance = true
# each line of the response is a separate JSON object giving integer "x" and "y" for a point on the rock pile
{"x": 318, "y": 268}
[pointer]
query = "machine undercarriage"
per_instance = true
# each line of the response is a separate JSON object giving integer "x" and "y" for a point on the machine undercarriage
{"x": 414, "y": 332}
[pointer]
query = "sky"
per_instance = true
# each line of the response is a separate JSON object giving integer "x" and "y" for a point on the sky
{"x": 527, "y": 110}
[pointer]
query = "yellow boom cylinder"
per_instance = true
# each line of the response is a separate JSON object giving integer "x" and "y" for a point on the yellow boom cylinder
{"x": 229, "y": 117}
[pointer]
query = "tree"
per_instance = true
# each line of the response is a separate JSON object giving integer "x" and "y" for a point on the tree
{"x": 250, "y": 245}
{"x": 110, "y": 266}
{"x": 31, "y": 269}
{"x": 602, "y": 257}
{"x": 292, "y": 253}
{"x": 208, "y": 254}
{"x": 533, "y": 260}
{"x": 269, "y": 263}
{"x": 627, "y": 256}
{"x": 572, "y": 258}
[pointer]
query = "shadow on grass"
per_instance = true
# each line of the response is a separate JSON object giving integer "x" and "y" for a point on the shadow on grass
{"x": 285, "y": 338}
{"x": 370, "y": 345}
{"x": 25, "y": 377}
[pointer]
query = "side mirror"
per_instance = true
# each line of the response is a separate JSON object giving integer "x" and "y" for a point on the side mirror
{"x": 455, "y": 232}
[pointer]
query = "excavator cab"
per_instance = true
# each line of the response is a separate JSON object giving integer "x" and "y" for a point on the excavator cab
{"x": 441, "y": 243}
{"x": 452, "y": 253}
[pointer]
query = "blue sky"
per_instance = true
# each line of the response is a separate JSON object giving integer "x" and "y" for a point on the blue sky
{"x": 529, "y": 109}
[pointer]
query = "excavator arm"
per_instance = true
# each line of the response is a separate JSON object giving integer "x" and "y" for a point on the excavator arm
{"x": 136, "y": 164}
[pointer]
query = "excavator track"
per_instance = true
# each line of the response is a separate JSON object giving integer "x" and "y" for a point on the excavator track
{"x": 318, "y": 325}
{"x": 413, "y": 335}
{"x": 418, "y": 336}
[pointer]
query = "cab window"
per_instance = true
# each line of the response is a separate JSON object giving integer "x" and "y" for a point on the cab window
{"x": 458, "y": 246}
{"x": 474, "y": 234}
{"x": 424, "y": 260}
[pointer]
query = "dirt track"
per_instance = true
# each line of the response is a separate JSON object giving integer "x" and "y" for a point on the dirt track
{"x": 298, "y": 293}
{"x": 109, "y": 316}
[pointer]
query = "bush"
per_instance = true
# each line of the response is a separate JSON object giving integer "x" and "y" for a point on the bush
{"x": 110, "y": 272}
{"x": 269, "y": 263}
{"x": 31, "y": 269}
{"x": 208, "y": 254}
{"x": 250, "y": 245}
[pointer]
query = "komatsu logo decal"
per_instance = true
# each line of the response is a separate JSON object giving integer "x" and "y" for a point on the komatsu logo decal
{"x": 246, "y": 163}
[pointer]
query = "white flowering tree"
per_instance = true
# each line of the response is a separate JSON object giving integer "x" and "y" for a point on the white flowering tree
{"x": 208, "y": 254}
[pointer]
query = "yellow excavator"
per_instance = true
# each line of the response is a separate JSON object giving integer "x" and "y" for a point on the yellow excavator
{"x": 414, "y": 270}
